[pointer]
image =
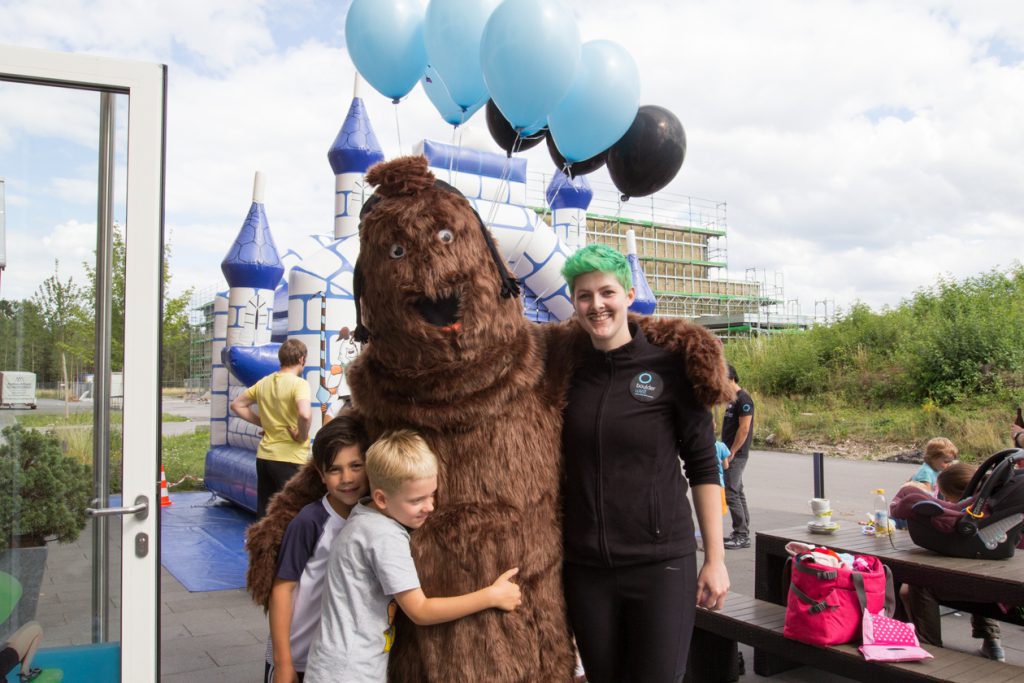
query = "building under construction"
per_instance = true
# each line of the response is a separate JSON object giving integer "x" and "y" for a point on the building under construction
{"x": 682, "y": 246}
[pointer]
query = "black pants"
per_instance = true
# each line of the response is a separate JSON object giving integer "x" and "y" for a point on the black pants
{"x": 271, "y": 476}
{"x": 736, "y": 499}
{"x": 633, "y": 624}
{"x": 268, "y": 673}
{"x": 9, "y": 659}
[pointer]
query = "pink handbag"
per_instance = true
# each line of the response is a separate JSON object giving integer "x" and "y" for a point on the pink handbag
{"x": 826, "y": 604}
{"x": 890, "y": 640}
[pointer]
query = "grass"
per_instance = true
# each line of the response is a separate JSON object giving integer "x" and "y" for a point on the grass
{"x": 878, "y": 432}
{"x": 184, "y": 455}
{"x": 41, "y": 420}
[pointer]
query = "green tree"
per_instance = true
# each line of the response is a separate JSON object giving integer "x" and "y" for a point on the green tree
{"x": 117, "y": 291}
{"x": 67, "y": 327}
{"x": 175, "y": 347}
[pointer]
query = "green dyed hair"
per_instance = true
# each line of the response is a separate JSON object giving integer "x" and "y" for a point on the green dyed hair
{"x": 594, "y": 257}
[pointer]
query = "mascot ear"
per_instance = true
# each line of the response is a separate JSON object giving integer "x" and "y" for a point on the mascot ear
{"x": 404, "y": 176}
{"x": 509, "y": 285}
{"x": 361, "y": 334}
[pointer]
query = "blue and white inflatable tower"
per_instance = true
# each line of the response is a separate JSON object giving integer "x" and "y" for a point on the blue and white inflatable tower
{"x": 354, "y": 151}
{"x": 242, "y": 320}
{"x": 569, "y": 200}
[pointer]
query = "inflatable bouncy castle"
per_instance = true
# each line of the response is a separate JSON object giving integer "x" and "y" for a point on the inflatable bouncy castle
{"x": 306, "y": 292}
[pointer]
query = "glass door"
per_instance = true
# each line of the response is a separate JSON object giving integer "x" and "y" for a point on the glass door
{"x": 81, "y": 203}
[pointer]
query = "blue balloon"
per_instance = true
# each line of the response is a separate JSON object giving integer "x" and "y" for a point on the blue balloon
{"x": 437, "y": 91}
{"x": 529, "y": 53}
{"x": 601, "y": 103}
{"x": 534, "y": 128}
{"x": 452, "y": 31}
{"x": 385, "y": 41}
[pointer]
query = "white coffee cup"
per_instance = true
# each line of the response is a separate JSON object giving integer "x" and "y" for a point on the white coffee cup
{"x": 822, "y": 509}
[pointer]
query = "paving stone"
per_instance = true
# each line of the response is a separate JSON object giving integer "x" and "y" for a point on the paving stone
{"x": 210, "y": 642}
{"x": 238, "y": 654}
{"x": 250, "y": 672}
{"x": 169, "y": 632}
{"x": 190, "y": 602}
{"x": 196, "y": 661}
{"x": 247, "y": 610}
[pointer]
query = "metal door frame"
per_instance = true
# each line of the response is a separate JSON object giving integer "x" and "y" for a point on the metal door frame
{"x": 146, "y": 87}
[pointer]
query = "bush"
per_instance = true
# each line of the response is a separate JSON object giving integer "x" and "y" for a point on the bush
{"x": 43, "y": 493}
{"x": 954, "y": 341}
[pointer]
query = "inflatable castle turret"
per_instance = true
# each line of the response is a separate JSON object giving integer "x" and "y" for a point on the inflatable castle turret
{"x": 242, "y": 350}
{"x": 644, "y": 303}
{"x": 569, "y": 200}
{"x": 314, "y": 302}
{"x": 354, "y": 151}
{"x": 253, "y": 270}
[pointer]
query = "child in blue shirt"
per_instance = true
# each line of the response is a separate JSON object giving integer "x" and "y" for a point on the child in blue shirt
{"x": 939, "y": 453}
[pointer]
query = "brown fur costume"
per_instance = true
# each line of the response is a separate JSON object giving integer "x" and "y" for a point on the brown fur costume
{"x": 486, "y": 389}
{"x": 488, "y": 395}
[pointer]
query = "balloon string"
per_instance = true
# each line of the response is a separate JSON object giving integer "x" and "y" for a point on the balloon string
{"x": 506, "y": 172}
{"x": 517, "y": 145}
{"x": 398, "y": 129}
{"x": 457, "y": 143}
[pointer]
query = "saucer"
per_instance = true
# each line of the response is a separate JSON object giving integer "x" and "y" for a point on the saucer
{"x": 818, "y": 528}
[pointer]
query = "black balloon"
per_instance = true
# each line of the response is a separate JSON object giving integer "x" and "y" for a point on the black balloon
{"x": 649, "y": 155}
{"x": 574, "y": 169}
{"x": 505, "y": 135}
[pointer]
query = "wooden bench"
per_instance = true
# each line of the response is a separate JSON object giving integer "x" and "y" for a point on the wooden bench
{"x": 759, "y": 624}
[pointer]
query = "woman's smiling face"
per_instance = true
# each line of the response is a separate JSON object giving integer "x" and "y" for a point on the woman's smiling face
{"x": 601, "y": 306}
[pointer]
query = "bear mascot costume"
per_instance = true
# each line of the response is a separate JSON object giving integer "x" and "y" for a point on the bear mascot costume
{"x": 449, "y": 354}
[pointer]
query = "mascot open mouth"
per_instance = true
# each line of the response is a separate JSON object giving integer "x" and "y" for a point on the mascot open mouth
{"x": 443, "y": 312}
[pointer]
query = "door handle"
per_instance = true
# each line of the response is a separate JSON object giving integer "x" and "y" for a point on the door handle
{"x": 140, "y": 510}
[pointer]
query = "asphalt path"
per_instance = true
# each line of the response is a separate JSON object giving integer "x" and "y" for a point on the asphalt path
{"x": 196, "y": 412}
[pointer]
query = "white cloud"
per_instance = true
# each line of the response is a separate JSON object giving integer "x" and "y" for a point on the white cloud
{"x": 863, "y": 148}
{"x": 31, "y": 257}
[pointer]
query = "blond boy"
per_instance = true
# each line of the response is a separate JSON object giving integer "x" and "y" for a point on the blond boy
{"x": 939, "y": 453}
{"x": 371, "y": 568}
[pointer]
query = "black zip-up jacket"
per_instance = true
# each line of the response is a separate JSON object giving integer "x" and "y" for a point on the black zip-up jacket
{"x": 631, "y": 415}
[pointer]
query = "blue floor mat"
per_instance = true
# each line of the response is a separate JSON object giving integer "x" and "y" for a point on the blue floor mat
{"x": 202, "y": 542}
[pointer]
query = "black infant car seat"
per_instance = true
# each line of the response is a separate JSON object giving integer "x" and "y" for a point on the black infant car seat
{"x": 992, "y": 521}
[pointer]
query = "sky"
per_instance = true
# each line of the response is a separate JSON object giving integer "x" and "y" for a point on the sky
{"x": 863, "y": 149}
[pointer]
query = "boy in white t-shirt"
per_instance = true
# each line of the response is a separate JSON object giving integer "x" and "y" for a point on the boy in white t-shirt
{"x": 296, "y": 597}
{"x": 371, "y": 568}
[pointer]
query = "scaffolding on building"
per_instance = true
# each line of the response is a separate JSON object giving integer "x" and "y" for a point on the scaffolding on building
{"x": 200, "y": 320}
{"x": 683, "y": 248}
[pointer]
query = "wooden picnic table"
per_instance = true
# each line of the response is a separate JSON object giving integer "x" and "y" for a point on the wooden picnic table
{"x": 988, "y": 581}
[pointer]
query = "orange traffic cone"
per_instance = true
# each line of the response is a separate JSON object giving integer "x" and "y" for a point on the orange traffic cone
{"x": 165, "y": 497}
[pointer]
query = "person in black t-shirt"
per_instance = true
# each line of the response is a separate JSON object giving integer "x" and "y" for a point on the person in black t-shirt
{"x": 737, "y": 433}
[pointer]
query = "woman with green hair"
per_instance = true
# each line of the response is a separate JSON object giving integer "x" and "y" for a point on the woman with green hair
{"x": 631, "y": 579}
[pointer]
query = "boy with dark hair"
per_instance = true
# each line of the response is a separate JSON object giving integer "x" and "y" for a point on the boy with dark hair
{"x": 737, "y": 433}
{"x": 371, "y": 568}
{"x": 296, "y": 596}
{"x": 282, "y": 399}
